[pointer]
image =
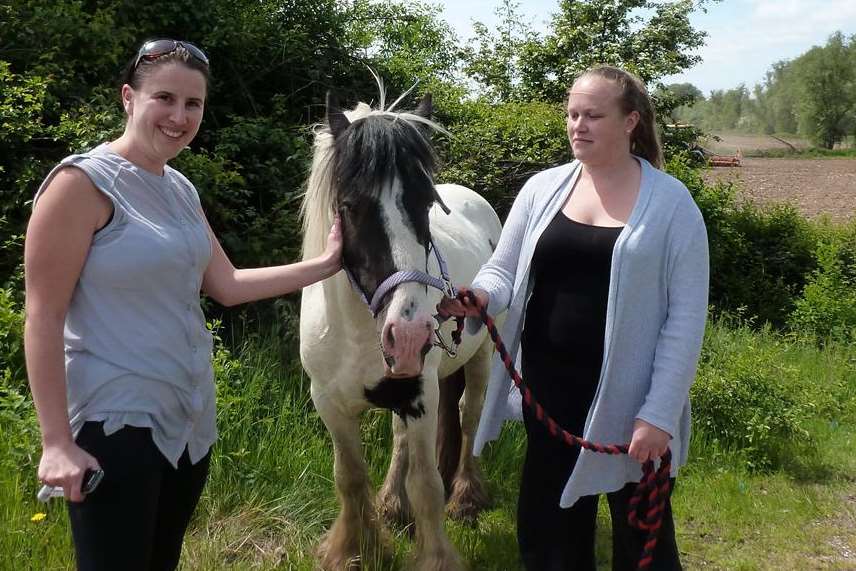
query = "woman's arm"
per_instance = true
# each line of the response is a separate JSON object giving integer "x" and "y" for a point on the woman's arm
{"x": 58, "y": 238}
{"x": 230, "y": 286}
{"x": 497, "y": 276}
{"x": 680, "y": 338}
{"x": 494, "y": 283}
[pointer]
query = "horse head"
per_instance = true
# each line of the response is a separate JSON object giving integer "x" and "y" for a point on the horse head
{"x": 382, "y": 176}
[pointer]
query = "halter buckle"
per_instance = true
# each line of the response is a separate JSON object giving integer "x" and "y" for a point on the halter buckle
{"x": 448, "y": 288}
{"x": 450, "y": 349}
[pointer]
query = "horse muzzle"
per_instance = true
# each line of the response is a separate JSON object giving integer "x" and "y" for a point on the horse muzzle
{"x": 405, "y": 343}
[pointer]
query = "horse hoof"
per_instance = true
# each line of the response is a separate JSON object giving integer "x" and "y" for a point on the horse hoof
{"x": 331, "y": 559}
{"x": 468, "y": 499}
{"x": 395, "y": 511}
{"x": 464, "y": 513}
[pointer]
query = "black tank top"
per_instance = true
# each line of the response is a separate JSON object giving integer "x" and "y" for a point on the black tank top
{"x": 565, "y": 318}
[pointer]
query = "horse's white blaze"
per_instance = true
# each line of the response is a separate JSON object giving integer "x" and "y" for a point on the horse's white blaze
{"x": 407, "y": 321}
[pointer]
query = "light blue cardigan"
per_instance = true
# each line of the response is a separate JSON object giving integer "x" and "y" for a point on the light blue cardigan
{"x": 655, "y": 320}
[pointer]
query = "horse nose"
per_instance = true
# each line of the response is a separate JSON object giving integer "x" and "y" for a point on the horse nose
{"x": 404, "y": 342}
{"x": 389, "y": 336}
{"x": 392, "y": 329}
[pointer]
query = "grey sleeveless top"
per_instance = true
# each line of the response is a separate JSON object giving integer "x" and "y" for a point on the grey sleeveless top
{"x": 137, "y": 351}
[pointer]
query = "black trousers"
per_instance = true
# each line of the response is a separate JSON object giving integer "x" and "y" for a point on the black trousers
{"x": 135, "y": 520}
{"x": 556, "y": 539}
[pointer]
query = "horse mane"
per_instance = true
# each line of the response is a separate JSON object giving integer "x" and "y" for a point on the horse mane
{"x": 318, "y": 207}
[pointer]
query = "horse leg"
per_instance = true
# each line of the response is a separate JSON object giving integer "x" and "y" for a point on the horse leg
{"x": 469, "y": 494}
{"x": 392, "y": 500}
{"x": 449, "y": 427}
{"x": 433, "y": 550}
{"x": 356, "y": 528}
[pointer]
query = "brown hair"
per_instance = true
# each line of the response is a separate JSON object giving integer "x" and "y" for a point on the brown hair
{"x": 633, "y": 96}
{"x": 134, "y": 73}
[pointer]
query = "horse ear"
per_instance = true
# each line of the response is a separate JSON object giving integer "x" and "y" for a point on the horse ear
{"x": 335, "y": 117}
{"x": 425, "y": 107}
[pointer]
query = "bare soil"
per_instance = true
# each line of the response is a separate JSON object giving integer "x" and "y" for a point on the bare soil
{"x": 814, "y": 186}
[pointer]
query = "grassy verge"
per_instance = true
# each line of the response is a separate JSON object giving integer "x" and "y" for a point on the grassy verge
{"x": 731, "y": 518}
{"x": 271, "y": 496}
{"x": 810, "y": 153}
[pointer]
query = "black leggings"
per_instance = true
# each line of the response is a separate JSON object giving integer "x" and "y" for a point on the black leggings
{"x": 556, "y": 539}
{"x": 136, "y": 518}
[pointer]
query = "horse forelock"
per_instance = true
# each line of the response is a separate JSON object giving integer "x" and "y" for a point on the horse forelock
{"x": 378, "y": 150}
{"x": 379, "y": 147}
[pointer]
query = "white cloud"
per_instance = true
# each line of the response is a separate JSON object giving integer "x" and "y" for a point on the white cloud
{"x": 808, "y": 20}
{"x": 745, "y": 37}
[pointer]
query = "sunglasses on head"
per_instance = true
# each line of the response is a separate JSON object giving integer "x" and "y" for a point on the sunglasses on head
{"x": 157, "y": 48}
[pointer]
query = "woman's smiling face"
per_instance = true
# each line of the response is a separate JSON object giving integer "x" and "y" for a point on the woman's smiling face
{"x": 598, "y": 129}
{"x": 165, "y": 112}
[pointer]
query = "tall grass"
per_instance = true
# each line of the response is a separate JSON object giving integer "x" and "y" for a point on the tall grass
{"x": 270, "y": 495}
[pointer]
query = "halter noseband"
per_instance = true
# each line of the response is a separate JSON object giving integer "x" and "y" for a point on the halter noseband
{"x": 443, "y": 283}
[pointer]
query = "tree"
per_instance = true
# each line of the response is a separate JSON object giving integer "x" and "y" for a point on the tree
{"x": 687, "y": 92}
{"x": 407, "y": 42}
{"x": 652, "y": 39}
{"x": 826, "y": 101}
{"x": 585, "y": 33}
{"x": 777, "y": 99}
{"x": 493, "y": 59}
{"x": 679, "y": 97}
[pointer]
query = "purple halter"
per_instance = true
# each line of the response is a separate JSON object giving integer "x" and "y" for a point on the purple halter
{"x": 443, "y": 283}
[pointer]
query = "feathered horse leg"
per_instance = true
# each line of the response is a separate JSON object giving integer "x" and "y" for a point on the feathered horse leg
{"x": 356, "y": 533}
{"x": 392, "y": 500}
{"x": 433, "y": 550}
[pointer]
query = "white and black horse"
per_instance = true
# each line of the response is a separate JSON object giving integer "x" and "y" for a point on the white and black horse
{"x": 375, "y": 168}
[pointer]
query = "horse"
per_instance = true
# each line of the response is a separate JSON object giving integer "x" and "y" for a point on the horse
{"x": 366, "y": 344}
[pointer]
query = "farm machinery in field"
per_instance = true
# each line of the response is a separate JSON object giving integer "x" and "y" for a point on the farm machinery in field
{"x": 688, "y": 135}
{"x": 734, "y": 160}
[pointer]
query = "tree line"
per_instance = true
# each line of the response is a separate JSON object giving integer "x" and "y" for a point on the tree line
{"x": 813, "y": 95}
{"x": 500, "y": 95}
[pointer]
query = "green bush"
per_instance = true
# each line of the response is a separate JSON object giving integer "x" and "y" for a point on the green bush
{"x": 20, "y": 443}
{"x": 827, "y": 308}
{"x": 12, "y": 369}
{"x": 495, "y": 148}
{"x": 757, "y": 392}
{"x": 760, "y": 257}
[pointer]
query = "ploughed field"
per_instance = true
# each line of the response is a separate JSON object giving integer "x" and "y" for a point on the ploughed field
{"x": 815, "y": 186}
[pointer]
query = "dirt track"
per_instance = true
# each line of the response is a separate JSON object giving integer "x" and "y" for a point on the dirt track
{"x": 814, "y": 186}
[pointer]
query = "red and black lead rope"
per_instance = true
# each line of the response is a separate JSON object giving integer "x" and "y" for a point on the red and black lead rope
{"x": 654, "y": 486}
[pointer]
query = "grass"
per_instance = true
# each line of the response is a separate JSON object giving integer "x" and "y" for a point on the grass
{"x": 270, "y": 495}
{"x": 732, "y": 518}
{"x": 810, "y": 153}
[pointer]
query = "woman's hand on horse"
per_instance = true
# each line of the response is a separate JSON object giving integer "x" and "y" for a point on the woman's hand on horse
{"x": 457, "y": 308}
{"x": 648, "y": 442}
{"x": 333, "y": 253}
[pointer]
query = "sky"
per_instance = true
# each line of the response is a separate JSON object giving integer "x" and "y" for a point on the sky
{"x": 744, "y": 37}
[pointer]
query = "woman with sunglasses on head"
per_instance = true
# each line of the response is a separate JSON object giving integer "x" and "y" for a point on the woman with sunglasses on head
{"x": 603, "y": 268}
{"x": 118, "y": 354}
